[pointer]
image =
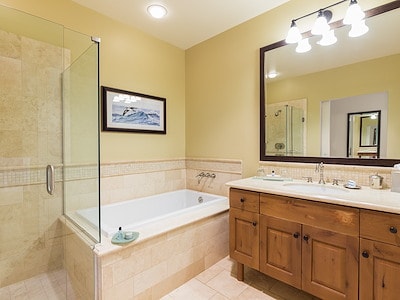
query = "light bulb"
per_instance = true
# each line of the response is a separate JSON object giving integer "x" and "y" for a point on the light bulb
{"x": 294, "y": 35}
{"x": 157, "y": 11}
{"x": 358, "y": 29}
{"x": 354, "y": 13}
{"x": 328, "y": 38}
{"x": 303, "y": 46}
{"x": 272, "y": 74}
{"x": 321, "y": 25}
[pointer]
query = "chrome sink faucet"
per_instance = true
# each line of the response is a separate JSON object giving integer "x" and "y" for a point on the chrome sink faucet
{"x": 320, "y": 168}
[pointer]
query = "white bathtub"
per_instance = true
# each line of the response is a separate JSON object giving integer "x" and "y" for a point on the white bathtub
{"x": 132, "y": 214}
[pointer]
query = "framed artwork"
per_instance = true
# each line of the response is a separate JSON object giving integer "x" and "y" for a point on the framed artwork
{"x": 132, "y": 112}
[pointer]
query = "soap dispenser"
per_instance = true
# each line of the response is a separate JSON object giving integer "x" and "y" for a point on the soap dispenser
{"x": 376, "y": 181}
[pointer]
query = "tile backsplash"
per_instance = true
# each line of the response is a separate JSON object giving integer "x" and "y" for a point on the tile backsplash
{"x": 360, "y": 174}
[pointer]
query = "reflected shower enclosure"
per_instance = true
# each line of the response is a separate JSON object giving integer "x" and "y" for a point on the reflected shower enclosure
{"x": 285, "y": 130}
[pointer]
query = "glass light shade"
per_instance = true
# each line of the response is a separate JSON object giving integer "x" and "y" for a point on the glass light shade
{"x": 157, "y": 11}
{"x": 303, "y": 46}
{"x": 321, "y": 25}
{"x": 358, "y": 29}
{"x": 294, "y": 35}
{"x": 328, "y": 38}
{"x": 354, "y": 13}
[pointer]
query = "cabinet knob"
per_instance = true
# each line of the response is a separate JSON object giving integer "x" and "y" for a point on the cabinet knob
{"x": 296, "y": 235}
{"x": 393, "y": 229}
{"x": 365, "y": 254}
{"x": 254, "y": 224}
{"x": 306, "y": 238}
{"x": 242, "y": 200}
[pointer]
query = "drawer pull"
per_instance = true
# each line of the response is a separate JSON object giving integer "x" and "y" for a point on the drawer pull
{"x": 296, "y": 235}
{"x": 306, "y": 238}
{"x": 365, "y": 254}
{"x": 393, "y": 229}
{"x": 254, "y": 224}
{"x": 242, "y": 200}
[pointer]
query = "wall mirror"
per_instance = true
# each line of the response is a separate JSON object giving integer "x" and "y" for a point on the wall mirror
{"x": 363, "y": 68}
{"x": 363, "y": 134}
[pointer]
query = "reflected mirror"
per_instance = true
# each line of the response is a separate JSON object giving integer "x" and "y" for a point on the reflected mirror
{"x": 363, "y": 134}
{"x": 365, "y": 68}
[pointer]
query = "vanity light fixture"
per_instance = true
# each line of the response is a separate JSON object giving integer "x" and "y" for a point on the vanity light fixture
{"x": 354, "y": 13}
{"x": 328, "y": 38}
{"x": 321, "y": 25}
{"x": 303, "y": 46}
{"x": 354, "y": 16}
{"x": 157, "y": 11}
{"x": 294, "y": 35}
{"x": 358, "y": 29}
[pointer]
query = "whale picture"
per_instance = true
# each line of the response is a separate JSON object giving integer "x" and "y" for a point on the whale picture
{"x": 129, "y": 111}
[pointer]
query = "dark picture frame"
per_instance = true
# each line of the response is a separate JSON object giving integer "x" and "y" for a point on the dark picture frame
{"x": 132, "y": 112}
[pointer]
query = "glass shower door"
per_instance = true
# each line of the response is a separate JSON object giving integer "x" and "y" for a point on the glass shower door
{"x": 81, "y": 140}
{"x": 36, "y": 132}
{"x": 31, "y": 235}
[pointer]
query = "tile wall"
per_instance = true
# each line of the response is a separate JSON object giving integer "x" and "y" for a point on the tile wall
{"x": 125, "y": 181}
{"x": 156, "y": 266}
{"x": 30, "y": 137}
{"x": 360, "y": 174}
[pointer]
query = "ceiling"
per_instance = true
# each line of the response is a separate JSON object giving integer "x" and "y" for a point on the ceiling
{"x": 188, "y": 22}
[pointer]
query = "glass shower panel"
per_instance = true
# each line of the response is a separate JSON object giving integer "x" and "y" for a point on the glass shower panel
{"x": 31, "y": 233}
{"x": 297, "y": 131}
{"x": 81, "y": 137}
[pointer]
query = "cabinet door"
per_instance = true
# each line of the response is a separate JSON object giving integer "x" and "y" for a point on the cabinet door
{"x": 244, "y": 237}
{"x": 280, "y": 249}
{"x": 330, "y": 264}
{"x": 379, "y": 271}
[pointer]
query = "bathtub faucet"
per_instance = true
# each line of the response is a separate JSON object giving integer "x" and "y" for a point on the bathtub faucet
{"x": 207, "y": 175}
{"x": 200, "y": 177}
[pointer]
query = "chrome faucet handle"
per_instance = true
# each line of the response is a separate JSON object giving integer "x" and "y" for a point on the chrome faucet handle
{"x": 335, "y": 181}
{"x": 309, "y": 178}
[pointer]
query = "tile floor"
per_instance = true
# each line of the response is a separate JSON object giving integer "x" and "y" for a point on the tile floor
{"x": 219, "y": 282}
{"x": 47, "y": 286}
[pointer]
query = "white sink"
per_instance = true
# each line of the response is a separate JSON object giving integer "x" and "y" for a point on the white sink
{"x": 318, "y": 189}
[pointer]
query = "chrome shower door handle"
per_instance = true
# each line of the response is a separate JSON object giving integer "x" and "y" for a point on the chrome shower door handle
{"x": 50, "y": 179}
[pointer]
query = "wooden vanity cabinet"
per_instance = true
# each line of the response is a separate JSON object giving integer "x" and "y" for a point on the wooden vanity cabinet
{"x": 244, "y": 229}
{"x": 312, "y": 246}
{"x": 380, "y": 255}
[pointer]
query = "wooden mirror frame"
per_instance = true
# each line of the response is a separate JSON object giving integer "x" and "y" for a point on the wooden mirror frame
{"x": 316, "y": 159}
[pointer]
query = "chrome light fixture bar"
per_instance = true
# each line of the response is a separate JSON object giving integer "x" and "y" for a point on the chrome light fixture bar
{"x": 354, "y": 16}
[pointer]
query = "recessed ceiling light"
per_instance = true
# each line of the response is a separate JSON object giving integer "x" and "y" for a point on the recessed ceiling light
{"x": 272, "y": 74}
{"x": 157, "y": 11}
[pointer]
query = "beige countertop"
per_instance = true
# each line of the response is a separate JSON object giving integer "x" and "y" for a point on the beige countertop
{"x": 365, "y": 197}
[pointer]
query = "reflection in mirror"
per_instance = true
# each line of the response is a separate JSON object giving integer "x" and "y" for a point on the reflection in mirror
{"x": 334, "y": 120}
{"x": 353, "y": 67}
{"x": 363, "y": 134}
{"x": 286, "y": 128}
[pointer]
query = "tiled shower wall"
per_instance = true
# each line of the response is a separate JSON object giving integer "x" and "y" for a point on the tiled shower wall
{"x": 30, "y": 138}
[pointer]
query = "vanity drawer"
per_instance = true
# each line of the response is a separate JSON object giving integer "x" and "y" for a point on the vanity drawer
{"x": 380, "y": 226}
{"x": 331, "y": 217}
{"x": 245, "y": 200}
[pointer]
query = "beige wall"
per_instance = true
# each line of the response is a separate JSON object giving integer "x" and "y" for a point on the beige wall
{"x": 129, "y": 60}
{"x": 222, "y": 85}
{"x": 212, "y": 89}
